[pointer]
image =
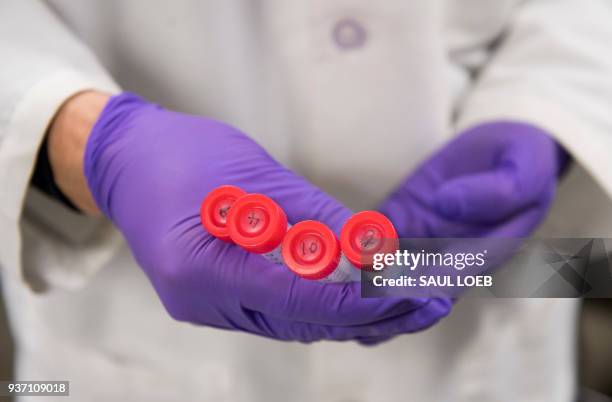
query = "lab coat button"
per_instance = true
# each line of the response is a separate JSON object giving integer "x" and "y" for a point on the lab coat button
{"x": 349, "y": 34}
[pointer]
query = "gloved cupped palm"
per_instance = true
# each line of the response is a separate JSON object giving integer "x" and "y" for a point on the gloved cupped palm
{"x": 149, "y": 169}
{"x": 493, "y": 180}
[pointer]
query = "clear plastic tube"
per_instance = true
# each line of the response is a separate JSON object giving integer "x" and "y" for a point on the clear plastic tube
{"x": 310, "y": 249}
{"x": 274, "y": 256}
{"x": 214, "y": 214}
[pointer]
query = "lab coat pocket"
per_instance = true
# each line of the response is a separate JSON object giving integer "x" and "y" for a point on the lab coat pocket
{"x": 62, "y": 248}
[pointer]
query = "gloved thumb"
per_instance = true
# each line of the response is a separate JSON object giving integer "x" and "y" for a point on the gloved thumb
{"x": 301, "y": 200}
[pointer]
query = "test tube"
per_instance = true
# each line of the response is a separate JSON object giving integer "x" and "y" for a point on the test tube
{"x": 258, "y": 224}
{"x": 215, "y": 208}
{"x": 367, "y": 233}
{"x": 312, "y": 251}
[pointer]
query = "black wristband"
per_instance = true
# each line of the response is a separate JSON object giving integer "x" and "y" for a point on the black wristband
{"x": 43, "y": 179}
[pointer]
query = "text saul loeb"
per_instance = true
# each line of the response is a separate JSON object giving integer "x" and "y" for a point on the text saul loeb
{"x": 434, "y": 281}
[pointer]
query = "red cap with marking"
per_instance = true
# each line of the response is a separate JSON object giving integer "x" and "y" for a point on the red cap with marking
{"x": 215, "y": 209}
{"x": 365, "y": 234}
{"x": 256, "y": 223}
{"x": 311, "y": 250}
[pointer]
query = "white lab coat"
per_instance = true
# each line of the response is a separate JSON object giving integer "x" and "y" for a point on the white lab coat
{"x": 354, "y": 116}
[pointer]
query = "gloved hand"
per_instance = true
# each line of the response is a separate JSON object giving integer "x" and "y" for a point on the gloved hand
{"x": 149, "y": 169}
{"x": 493, "y": 180}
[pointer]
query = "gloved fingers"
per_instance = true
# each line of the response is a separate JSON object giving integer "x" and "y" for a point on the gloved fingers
{"x": 417, "y": 320}
{"x": 531, "y": 164}
{"x": 276, "y": 292}
{"x": 487, "y": 197}
{"x": 522, "y": 224}
{"x": 404, "y": 208}
{"x": 415, "y": 217}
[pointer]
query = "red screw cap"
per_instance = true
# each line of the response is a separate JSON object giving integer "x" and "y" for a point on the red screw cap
{"x": 311, "y": 250}
{"x": 365, "y": 234}
{"x": 215, "y": 209}
{"x": 257, "y": 223}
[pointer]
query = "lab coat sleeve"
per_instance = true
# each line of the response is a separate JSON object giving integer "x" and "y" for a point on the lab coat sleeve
{"x": 553, "y": 68}
{"x": 42, "y": 65}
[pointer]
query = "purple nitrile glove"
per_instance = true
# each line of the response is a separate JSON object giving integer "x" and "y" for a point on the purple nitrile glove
{"x": 149, "y": 169}
{"x": 493, "y": 180}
